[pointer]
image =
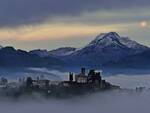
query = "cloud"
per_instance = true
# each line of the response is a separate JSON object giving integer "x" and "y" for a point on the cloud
{"x": 55, "y": 23}
{"x": 53, "y": 31}
{"x": 16, "y": 12}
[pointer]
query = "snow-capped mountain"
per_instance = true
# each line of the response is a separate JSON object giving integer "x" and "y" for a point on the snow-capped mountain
{"x": 104, "y": 48}
{"x": 60, "y": 52}
{"x": 39, "y": 52}
{"x": 64, "y": 51}
{"x": 112, "y": 38}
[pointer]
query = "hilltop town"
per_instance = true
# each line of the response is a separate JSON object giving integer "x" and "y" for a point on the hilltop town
{"x": 78, "y": 84}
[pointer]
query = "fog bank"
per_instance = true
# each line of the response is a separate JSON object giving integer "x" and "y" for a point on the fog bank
{"x": 130, "y": 81}
{"x": 103, "y": 102}
{"x": 108, "y": 102}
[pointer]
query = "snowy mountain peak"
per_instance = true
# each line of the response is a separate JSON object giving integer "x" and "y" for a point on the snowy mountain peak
{"x": 112, "y": 38}
{"x": 106, "y": 39}
{"x": 39, "y": 52}
{"x": 110, "y": 35}
{"x": 64, "y": 51}
{"x": 106, "y": 47}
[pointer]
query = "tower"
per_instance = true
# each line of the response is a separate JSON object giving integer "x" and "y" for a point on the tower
{"x": 83, "y": 71}
{"x": 70, "y": 77}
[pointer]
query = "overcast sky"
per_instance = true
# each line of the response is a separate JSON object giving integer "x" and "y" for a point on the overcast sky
{"x": 48, "y": 24}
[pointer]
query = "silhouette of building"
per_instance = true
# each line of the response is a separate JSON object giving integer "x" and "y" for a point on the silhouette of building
{"x": 92, "y": 77}
{"x": 81, "y": 77}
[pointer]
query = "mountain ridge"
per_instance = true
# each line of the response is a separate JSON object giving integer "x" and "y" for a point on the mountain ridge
{"x": 140, "y": 60}
{"x": 106, "y": 48}
{"x": 10, "y": 57}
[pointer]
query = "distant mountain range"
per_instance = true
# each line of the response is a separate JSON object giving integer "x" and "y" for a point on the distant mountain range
{"x": 64, "y": 51}
{"x": 106, "y": 50}
{"x": 10, "y": 57}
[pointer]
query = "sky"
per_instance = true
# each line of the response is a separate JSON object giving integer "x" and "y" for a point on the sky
{"x": 49, "y": 24}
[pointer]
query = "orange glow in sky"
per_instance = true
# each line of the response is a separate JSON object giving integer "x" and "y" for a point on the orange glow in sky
{"x": 50, "y": 32}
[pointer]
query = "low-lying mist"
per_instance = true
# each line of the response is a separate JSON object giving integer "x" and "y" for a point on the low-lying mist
{"x": 102, "y": 102}
{"x": 130, "y": 81}
{"x": 124, "y": 80}
{"x": 106, "y": 102}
